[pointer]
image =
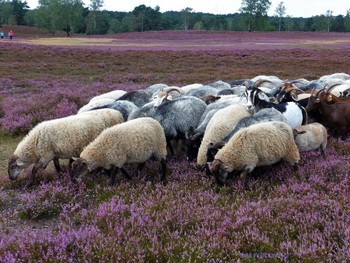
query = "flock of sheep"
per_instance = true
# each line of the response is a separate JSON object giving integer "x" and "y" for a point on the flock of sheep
{"x": 225, "y": 127}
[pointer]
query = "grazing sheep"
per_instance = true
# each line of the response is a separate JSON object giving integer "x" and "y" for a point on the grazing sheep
{"x": 311, "y": 137}
{"x": 218, "y": 127}
{"x": 60, "y": 138}
{"x": 134, "y": 141}
{"x": 264, "y": 115}
{"x": 257, "y": 145}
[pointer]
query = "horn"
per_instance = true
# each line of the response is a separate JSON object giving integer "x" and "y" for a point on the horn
{"x": 196, "y": 135}
{"x": 257, "y": 83}
{"x": 170, "y": 89}
{"x": 329, "y": 89}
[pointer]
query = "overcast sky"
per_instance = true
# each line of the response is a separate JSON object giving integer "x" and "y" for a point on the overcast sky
{"x": 294, "y": 8}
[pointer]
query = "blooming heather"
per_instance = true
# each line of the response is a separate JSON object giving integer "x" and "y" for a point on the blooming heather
{"x": 277, "y": 215}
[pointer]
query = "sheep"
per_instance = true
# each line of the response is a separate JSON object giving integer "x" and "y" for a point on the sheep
{"x": 261, "y": 144}
{"x": 218, "y": 127}
{"x": 167, "y": 93}
{"x": 125, "y": 107}
{"x": 114, "y": 95}
{"x": 194, "y": 135}
{"x": 201, "y": 91}
{"x": 138, "y": 97}
{"x": 97, "y": 103}
{"x": 311, "y": 137}
{"x": 264, "y": 115}
{"x": 59, "y": 138}
{"x": 175, "y": 116}
{"x": 220, "y": 85}
{"x": 134, "y": 141}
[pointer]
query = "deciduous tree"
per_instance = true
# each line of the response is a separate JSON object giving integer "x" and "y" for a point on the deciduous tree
{"x": 280, "y": 11}
{"x": 255, "y": 12}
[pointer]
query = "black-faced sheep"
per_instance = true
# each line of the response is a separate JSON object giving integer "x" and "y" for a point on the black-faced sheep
{"x": 61, "y": 138}
{"x": 261, "y": 144}
{"x": 134, "y": 141}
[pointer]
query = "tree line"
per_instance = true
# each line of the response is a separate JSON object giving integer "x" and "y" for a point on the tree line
{"x": 73, "y": 17}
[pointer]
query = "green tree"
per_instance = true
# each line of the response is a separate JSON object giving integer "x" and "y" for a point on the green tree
{"x": 19, "y": 10}
{"x": 329, "y": 18}
{"x": 338, "y": 24}
{"x": 56, "y": 15}
{"x": 186, "y": 17}
{"x": 95, "y": 6}
{"x": 255, "y": 13}
{"x": 147, "y": 18}
{"x": 347, "y": 21}
{"x": 280, "y": 11}
{"x": 5, "y": 11}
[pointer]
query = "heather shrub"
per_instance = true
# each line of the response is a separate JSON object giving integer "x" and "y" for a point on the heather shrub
{"x": 25, "y": 105}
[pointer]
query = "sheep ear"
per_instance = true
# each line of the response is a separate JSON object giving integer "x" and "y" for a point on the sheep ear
{"x": 227, "y": 168}
{"x": 19, "y": 162}
{"x": 262, "y": 96}
{"x": 75, "y": 158}
{"x": 296, "y": 132}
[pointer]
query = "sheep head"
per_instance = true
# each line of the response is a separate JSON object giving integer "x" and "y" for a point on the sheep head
{"x": 220, "y": 171}
{"x": 79, "y": 169}
{"x": 193, "y": 141}
{"x": 208, "y": 99}
{"x": 15, "y": 166}
{"x": 165, "y": 95}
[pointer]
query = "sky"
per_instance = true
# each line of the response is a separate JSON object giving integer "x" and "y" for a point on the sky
{"x": 294, "y": 8}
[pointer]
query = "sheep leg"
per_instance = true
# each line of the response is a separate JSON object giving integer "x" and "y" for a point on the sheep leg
{"x": 207, "y": 171}
{"x": 171, "y": 149}
{"x": 164, "y": 169}
{"x": 56, "y": 162}
{"x": 41, "y": 164}
{"x": 113, "y": 173}
{"x": 140, "y": 167}
{"x": 70, "y": 163}
{"x": 126, "y": 174}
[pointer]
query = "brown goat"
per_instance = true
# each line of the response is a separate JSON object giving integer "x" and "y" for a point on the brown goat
{"x": 336, "y": 115}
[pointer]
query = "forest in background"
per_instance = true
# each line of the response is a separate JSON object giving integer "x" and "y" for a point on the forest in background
{"x": 72, "y": 16}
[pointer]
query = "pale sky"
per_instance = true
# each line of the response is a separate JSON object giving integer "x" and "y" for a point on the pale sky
{"x": 294, "y": 8}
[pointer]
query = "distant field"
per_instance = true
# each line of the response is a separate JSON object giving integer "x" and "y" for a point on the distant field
{"x": 279, "y": 215}
{"x": 181, "y": 40}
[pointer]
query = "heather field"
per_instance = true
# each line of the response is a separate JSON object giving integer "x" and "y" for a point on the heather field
{"x": 279, "y": 215}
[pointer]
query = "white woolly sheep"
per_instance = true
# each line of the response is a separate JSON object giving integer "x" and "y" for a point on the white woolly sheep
{"x": 311, "y": 137}
{"x": 114, "y": 95}
{"x": 134, "y": 141}
{"x": 96, "y": 104}
{"x": 219, "y": 126}
{"x": 261, "y": 144}
{"x": 59, "y": 138}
